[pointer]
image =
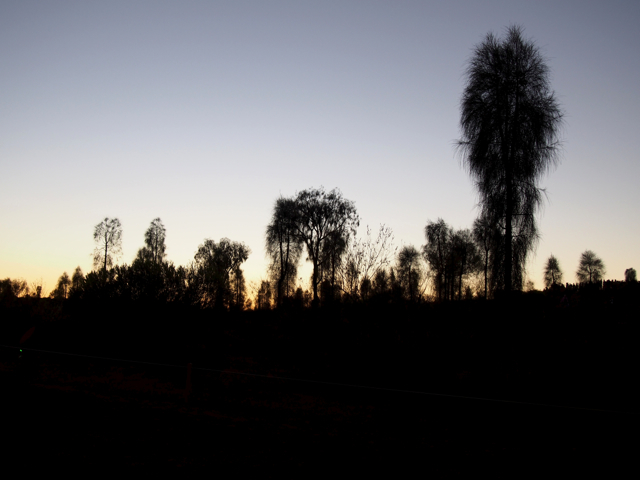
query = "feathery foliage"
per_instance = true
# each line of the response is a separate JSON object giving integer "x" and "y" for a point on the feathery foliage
{"x": 591, "y": 268}
{"x": 509, "y": 121}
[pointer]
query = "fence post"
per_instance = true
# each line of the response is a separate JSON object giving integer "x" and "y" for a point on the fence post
{"x": 187, "y": 389}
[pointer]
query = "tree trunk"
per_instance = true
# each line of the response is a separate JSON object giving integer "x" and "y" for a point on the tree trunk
{"x": 106, "y": 251}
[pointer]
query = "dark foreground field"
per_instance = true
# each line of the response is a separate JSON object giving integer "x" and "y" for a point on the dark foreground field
{"x": 86, "y": 415}
{"x": 561, "y": 383}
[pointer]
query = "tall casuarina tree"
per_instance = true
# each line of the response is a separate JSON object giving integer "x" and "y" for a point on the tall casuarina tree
{"x": 510, "y": 122}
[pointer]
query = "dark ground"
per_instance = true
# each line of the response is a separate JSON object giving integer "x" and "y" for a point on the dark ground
{"x": 83, "y": 414}
{"x": 86, "y": 415}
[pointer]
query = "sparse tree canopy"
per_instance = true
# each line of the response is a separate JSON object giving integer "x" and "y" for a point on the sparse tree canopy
{"x": 552, "y": 272}
{"x": 108, "y": 237}
{"x": 364, "y": 259}
{"x": 591, "y": 268}
{"x": 509, "y": 122}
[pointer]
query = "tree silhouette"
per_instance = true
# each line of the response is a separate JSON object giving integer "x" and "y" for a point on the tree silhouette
{"x": 452, "y": 256}
{"x": 630, "y": 275}
{"x": 263, "y": 296}
{"x": 14, "y": 288}
{"x": 77, "y": 281}
{"x": 36, "y": 289}
{"x": 509, "y": 122}
{"x": 363, "y": 260}
{"x": 154, "y": 239}
{"x": 108, "y": 237}
{"x": 465, "y": 257}
{"x": 484, "y": 237}
{"x": 62, "y": 287}
{"x": 238, "y": 289}
{"x": 381, "y": 283}
{"x": 331, "y": 256}
{"x": 552, "y": 272}
{"x": 215, "y": 263}
{"x": 410, "y": 271}
{"x": 283, "y": 247}
{"x": 324, "y": 222}
{"x": 437, "y": 252}
{"x": 591, "y": 268}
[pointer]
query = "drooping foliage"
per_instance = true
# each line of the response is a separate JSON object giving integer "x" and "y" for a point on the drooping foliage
{"x": 216, "y": 267}
{"x": 283, "y": 247}
{"x": 510, "y": 122}
{"x": 452, "y": 256}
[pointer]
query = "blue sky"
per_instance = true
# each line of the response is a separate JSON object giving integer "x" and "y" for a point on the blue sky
{"x": 203, "y": 113}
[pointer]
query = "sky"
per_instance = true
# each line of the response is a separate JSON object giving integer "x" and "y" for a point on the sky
{"x": 203, "y": 113}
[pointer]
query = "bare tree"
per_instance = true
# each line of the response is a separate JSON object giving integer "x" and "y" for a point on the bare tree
{"x": 364, "y": 259}
{"x": 552, "y": 272}
{"x": 510, "y": 121}
{"x": 36, "y": 289}
{"x": 108, "y": 237}
{"x": 591, "y": 268}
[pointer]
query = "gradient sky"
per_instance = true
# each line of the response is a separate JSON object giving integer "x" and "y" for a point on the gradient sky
{"x": 202, "y": 113}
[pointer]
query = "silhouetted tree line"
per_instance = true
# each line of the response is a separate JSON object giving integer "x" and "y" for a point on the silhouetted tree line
{"x": 213, "y": 279}
{"x": 383, "y": 325}
{"x": 452, "y": 265}
{"x": 509, "y": 121}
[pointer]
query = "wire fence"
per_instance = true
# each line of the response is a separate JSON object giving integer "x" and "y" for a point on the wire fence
{"x": 189, "y": 369}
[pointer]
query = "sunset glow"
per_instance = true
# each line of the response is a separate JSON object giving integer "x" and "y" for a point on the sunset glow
{"x": 204, "y": 113}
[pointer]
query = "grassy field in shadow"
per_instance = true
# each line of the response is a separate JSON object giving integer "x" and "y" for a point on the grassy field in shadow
{"x": 284, "y": 390}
